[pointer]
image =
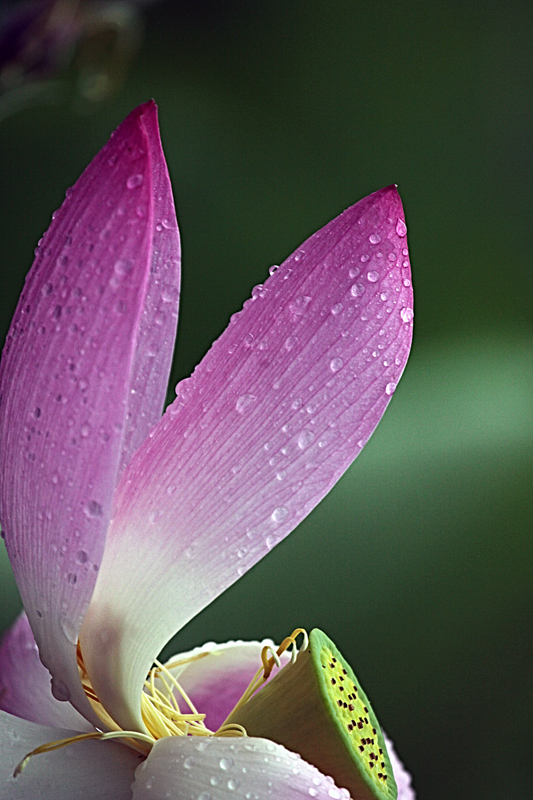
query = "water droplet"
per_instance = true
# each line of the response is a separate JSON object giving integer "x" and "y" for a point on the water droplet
{"x": 374, "y": 238}
{"x": 312, "y": 791}
{"x": 134, "y": 181}
{"x": 401, "y": 228}
{"x": 305, "y": 439}
{"x": 189, "y": 762}
{"x": 274, "y": 268}
{"x": 357, "y": 290}
{"x": 390, "y": 388}
{"x": 296, "y": 404}
{"x": 85, "y": 430}
{"x": 298, "y": 306}
{"x": 337, "y": 308}
{"x": 407, "y": 314}
{"x": 336, "y": 364}
{"x": 36, "y": 413}
{"x": 279, "y": 514}
{"x": 60, "y": 690}
{"x": 122, "y": 267}
{"x": 226, "y": 763}
{"x": 233, "y": 784}
{"x": 93, "y": 509}
{"x": 373, "y": 276}
{"x": 364, "y": 258}
{"x": 82, "y": 557}
{"x": 214, "y": 780}
{"x": 47, "y": 289}
{"x": 290, "y": 341}
{"x": 169, "y": 293}
{"x": 281, "y": 475}
{"x": 244, "y": 402}
{"x": 69, "y": 629}
{"x": 406, "y": 282}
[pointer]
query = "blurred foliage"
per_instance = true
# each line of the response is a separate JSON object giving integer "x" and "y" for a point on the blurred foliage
{"x": 275, "y": 117}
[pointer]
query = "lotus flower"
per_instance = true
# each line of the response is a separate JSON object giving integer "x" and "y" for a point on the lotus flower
{"x": 120, "y": 525}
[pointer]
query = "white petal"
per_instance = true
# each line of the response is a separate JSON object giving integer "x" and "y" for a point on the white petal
{"x": 181, "y": 768}
{"x": 87, "y": 770}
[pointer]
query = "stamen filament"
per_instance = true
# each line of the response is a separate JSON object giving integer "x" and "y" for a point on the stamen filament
{"x": 50, "y": 746}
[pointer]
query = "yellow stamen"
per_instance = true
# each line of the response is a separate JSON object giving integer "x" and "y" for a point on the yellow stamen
{"x": 50, "y": 746}
{"x": 160, "y": 708}
{"x": 263, "y": 673}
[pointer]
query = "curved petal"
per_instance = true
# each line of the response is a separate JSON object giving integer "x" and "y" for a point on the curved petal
{"x": 25, "y": 684}
{"x": 275, "y": 413}
{"x": 401, "y": 776}
{"x": 179, "y": 768}
{"x": 74, "y": 369}
{"x": 216, "y": 681}
{"x": 84, "y": 770}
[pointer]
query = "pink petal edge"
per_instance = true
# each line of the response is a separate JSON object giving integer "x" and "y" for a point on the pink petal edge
{"x": 271, "y": 418}
{"x": 25, "y": 684}
{"x": 75, "y": 367}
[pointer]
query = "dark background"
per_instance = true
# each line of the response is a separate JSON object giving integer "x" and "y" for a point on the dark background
{"x": 275, "y": 116}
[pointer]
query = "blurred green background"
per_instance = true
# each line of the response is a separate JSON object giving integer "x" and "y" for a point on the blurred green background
{"x": 275, "y": 116}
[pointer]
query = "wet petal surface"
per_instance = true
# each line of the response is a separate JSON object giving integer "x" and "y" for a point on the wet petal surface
{"x": 78, "y": 386}
{"x": 216, "y": 769}
{"x": 271, "y": 418}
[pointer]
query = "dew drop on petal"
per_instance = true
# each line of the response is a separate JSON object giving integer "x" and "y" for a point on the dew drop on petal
{"x": 407, "y": 314}
{"x": 134, "y": 181}
{"x": 336, "y": 364}
{"x": 374, "y": 238}
{"x": 244, "y": 402}
{"x": 401, "y": 228}
{"x": 93, "y": 509}
{"x": 357, "y": 290}
{"x": 390, "y": 388}
{"x": 226, "y": 763}
{"x": 305, "y": 439}
{"x": 373, "y": 276}
{"x": 60, "y": 690}
{"x": 279, "y": 514}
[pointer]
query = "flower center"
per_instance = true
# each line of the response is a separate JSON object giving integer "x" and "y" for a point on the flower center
{"x": 166, "y": 708}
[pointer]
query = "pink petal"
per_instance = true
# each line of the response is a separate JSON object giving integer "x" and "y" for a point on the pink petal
{"x": 85, "y": 770}
{"x": 401, "y": 776}
{"x": 275, "y": 413}
{"x": 217, "y": 681}
{"x": 25, "y": 683}
{"x": 220, "y": 768}
{"x": 76, "y": 367}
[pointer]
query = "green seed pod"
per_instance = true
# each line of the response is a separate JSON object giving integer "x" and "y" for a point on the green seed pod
{"x": 316, "y": 707}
